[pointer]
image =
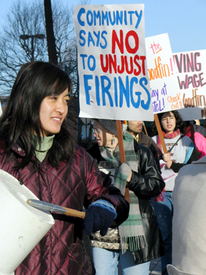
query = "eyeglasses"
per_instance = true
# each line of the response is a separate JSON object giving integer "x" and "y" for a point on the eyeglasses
{"x": 96, "y": 131}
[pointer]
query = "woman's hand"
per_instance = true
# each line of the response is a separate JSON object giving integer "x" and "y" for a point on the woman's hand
{"x": 167, "y": 158}
{"x": 168, "y": 164}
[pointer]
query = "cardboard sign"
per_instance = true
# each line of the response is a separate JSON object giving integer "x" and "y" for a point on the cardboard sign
{"x": 165, "y": 91}
{"x": 190, "y": 68}
{"x": 113, "y": 82}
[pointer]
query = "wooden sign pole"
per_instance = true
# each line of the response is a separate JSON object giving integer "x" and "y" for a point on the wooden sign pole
{"x": 159, "y": 130}
{"x": 122, "y": 153}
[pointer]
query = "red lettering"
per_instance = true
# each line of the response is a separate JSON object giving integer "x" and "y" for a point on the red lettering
{"x": 136, "y": 39}
{"x": 129, "y": 64}
{"x": 115, "y": 41}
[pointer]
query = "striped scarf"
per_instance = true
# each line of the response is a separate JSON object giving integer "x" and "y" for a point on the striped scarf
{"x": 131, "y": 231}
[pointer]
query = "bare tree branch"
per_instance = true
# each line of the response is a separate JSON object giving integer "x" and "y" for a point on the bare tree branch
{"x": 28, "y": 19}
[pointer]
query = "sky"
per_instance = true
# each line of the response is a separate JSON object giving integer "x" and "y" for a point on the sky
{"x": 183, "y": 20}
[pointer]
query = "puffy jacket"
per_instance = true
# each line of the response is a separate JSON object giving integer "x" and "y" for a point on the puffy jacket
{"x": 73, "y": 184}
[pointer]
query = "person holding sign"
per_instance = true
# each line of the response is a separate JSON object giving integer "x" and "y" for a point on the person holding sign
{"x": 37, "y": 149}
{"x": 138, "y": 240}
{"x": 134, "y": 128}
{"x": 181, "y": 151}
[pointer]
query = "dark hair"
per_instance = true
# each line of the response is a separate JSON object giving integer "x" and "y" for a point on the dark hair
{"x": 34, "y": 81}
{"x": 179, "y": 121}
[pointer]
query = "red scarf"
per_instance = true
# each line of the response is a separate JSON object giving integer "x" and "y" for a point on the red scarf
{"x": 169, "y": 136}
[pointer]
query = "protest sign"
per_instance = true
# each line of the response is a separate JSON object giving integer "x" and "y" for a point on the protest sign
{"x": 165, "y": 91}
{"x": 113, "y": 82}
{"x": 190, "y": 69}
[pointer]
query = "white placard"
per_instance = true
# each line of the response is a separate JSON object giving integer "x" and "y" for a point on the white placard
{"x": 165, "y": 92}
{"x": 113, "y": 81}
{"x": 191, "y": 69}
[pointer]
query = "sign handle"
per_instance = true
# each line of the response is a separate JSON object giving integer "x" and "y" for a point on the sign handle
{"x": 159, "y": 130}
{"x": 122, "y": 153}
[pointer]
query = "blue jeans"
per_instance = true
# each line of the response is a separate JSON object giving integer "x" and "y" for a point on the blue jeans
{"x": 106, "y": 262}
{"x": 164, "y": 213}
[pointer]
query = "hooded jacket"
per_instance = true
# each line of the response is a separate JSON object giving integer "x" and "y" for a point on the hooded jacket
{"x": 74, "y": 185}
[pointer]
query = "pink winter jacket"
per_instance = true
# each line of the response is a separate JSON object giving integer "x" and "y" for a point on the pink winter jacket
{"x": 200, "y": 142}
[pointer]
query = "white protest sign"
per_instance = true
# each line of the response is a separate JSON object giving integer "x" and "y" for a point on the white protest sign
{"x": 113, "y": 82}
{"x": 191, "y": 70}
{"x": 165, "y": 91}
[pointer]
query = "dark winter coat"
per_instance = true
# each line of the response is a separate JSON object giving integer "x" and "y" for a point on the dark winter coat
{"x": 146, "y": 183}
{"x": 75, "y": 185}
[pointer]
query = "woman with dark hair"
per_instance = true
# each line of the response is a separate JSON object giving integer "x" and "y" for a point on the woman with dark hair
{"x": 181, "y": 151}
{"x": 36, "y": 148}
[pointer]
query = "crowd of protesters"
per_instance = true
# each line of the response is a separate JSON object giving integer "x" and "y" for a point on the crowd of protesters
{"x": 183, "y": 148}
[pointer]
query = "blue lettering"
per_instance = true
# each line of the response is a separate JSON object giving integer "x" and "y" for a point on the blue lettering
{"x": 91, "y": 63}
{"x": 81, "y": 11}
{"x": 143, "y": 81}
{"x": 105, "y": 18}
{"x": 90, "y": 40}
{"x": 87, "y": 87}
{"x": 105, "y": 90}
{"x": 105, "y": 40}
{"x": 97, "y": 16}
{"x": 135, "y": 104}
{"x": 112, "y": 22}
{"x": 97, "y": 90}
{"x": 98, "y": 37}
{"x": 124, "y": 91}
{"x": 81, "y": 33}
{"x": 119, "y": 19}
{"x": 139, "y": 17}
{"x": 115, "y": 92}
{"x": 83, "y": 56}
{"x": 125, "y": 17}
{"x": 89, "y": 18}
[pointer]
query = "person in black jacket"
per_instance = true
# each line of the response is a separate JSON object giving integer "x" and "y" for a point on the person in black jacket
{"x": 134, "y": 128}
{"x": 138, "y": 240}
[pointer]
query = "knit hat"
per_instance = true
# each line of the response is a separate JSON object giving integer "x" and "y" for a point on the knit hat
{"x": 109, "y": 125}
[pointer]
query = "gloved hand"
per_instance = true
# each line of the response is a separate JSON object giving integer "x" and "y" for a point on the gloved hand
{"x": 123, "y": 175}
{"x": 99, "y": 216}
{"x": 124, "y": 172}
